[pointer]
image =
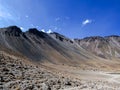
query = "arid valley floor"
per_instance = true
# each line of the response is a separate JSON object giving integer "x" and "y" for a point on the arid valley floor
{"x": 18, "y": 75}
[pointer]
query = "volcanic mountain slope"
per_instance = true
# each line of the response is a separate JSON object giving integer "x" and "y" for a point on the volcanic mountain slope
{"x": 43, "y": 47}
{"x": 57, "y": 49}
{"x": 105, "y": 47}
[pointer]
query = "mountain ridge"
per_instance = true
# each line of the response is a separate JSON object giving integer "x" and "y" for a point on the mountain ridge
{"x": 59, "y": 49}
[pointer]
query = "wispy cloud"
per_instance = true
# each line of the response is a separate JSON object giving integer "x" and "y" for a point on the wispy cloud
{"x": 6, "y": 13}
{"x": 67, "y": 18}
{"x": 57, "y": 19}
{"x": 27, "y": 16}
{"x": 32, "y": 25}
{"x": 49, "y": 31}
{"x": 55, "y": 28}
{"x": 37, "y": 26}
{"x": 87, "y": 21}
{"x": 62, "y": 18}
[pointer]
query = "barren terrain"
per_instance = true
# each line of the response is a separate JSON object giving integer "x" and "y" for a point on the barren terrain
{"x": 19, "y": 74}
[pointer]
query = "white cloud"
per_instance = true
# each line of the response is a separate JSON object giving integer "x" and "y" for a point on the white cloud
{"x": 49, "y": 31}
{"x": 42, "y": 30}
{"x": 87, "y": 21}
{"x": 21, "y": 28}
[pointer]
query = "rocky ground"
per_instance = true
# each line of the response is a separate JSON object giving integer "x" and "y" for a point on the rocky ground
{"x": 18, "y": 74}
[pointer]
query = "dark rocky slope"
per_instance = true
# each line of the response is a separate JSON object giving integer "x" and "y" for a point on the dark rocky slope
{"x": 56, "y": 48}
{"x": 40, "y": 46}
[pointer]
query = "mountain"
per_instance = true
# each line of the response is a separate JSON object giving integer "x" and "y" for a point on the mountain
{"x": 105, "y": 47}
{"x": 43, "y": 47}
{"x": 41, "y": 61}
{"x": 57, "y": 49}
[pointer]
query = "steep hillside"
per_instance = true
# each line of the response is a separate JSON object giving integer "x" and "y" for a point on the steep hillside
{"x": 57, "y": 49}
{"x": 43, "y": 47}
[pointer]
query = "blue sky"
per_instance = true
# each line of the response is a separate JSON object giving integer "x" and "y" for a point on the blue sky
{"x": 73, "y": 18}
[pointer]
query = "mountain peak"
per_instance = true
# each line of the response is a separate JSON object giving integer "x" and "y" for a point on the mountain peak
{"x": 12, "y": 31}
{"x": 33, "y": 30}
{"x": 37, "y": 32}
